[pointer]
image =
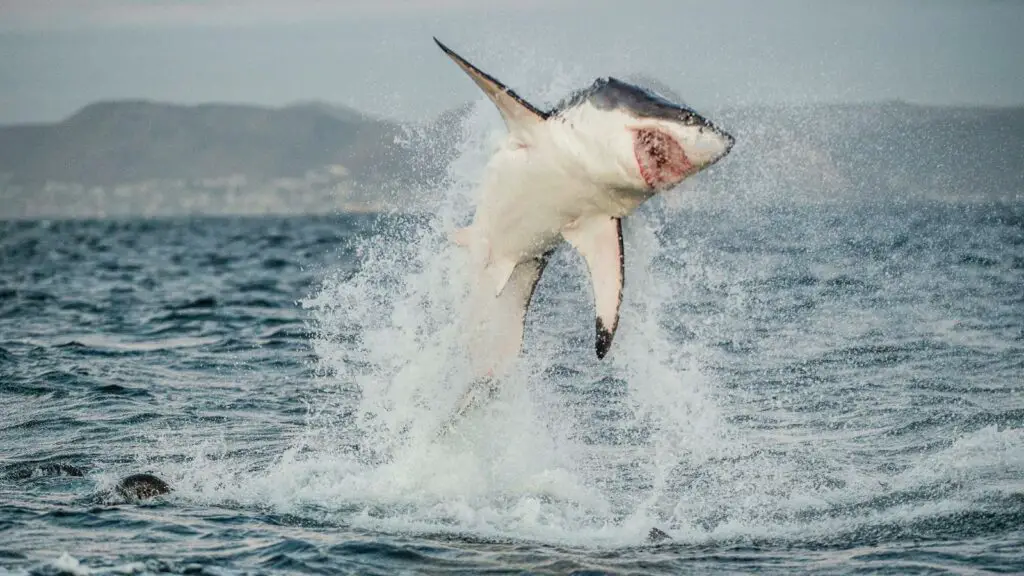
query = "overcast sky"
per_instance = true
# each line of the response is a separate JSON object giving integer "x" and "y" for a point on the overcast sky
{"x": 58, "y": 55}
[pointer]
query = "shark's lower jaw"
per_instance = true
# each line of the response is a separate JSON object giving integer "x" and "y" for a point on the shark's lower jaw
{"x": 661, "y": 159}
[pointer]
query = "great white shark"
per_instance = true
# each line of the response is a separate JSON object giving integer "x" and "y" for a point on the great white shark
{"x": 571, "y": 173}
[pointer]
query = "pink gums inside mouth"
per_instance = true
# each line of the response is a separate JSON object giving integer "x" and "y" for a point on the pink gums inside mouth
{"x": 661, "y": 159}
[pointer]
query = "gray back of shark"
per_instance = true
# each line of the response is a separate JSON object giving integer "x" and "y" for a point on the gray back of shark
{"x": 612, "y": 93}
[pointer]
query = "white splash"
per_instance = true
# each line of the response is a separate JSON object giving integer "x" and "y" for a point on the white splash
{"x": 573, "y": 450}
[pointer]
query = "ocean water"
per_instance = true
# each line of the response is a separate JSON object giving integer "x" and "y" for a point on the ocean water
{"x": 824, "y": 388}
{"x": 794, "y": 387}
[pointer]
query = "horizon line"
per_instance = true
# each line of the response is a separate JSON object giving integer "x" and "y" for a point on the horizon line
{"x": 314, "y": 101}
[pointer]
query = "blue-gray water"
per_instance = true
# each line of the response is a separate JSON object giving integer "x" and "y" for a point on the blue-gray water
{"x": 827, "y": 389}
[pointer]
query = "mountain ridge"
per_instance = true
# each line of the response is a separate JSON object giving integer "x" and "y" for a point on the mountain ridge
{"x": 802, "y": 150}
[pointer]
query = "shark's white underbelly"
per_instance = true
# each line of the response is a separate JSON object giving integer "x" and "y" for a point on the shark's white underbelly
{"x": 529, "y": 197}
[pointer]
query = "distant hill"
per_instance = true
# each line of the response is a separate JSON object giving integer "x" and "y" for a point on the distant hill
{"x": 140, "y": 157}
{"x": 131, "y": 155}
{"x": 119, "y": 142}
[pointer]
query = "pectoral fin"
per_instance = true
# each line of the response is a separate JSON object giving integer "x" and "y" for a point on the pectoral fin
{"x": 599, "y": 240}
{"x": 518, "y": 113}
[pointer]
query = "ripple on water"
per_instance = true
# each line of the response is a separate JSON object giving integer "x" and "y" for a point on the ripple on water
{"x": 808, "y": 391}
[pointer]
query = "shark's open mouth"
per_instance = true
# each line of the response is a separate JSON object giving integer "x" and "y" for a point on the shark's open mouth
{"x": 661, "y": 159}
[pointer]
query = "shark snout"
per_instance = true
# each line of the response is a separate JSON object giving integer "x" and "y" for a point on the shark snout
{"x": 710, "y": 145}
{"x": 729, "y": 141}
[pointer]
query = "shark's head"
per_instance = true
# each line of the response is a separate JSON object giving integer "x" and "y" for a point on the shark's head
{"x": 654, "y": 142}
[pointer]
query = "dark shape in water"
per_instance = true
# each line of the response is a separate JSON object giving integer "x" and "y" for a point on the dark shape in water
{"x": 655, "y": 536}
{"x": 141, "y": 487}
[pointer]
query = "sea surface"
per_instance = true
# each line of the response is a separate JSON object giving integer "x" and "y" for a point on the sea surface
{"x": 799, "y": 384}
{"x": 832, "y": 388}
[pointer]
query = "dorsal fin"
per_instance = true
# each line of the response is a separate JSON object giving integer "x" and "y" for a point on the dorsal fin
{"x": 516, "y": 111}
